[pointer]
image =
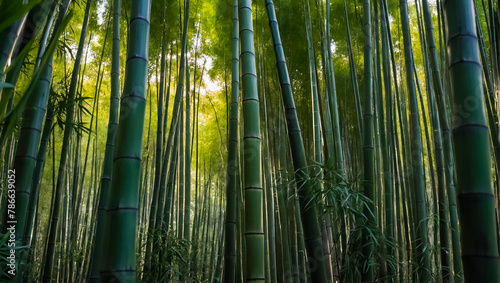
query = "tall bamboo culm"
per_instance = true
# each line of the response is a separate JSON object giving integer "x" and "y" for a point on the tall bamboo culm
{"x": 252, "y": 176}
{"x": 232, "y": 166}
{"x": 308, "y": 213}
{"x": 368, "y": 141}
{"x": 476, "y": 202}
{"x": 119, "y": 255}
{"x": 110, "y": 145}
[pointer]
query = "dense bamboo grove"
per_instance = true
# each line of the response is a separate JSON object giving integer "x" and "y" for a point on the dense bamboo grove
{"x": 249, "y": 141}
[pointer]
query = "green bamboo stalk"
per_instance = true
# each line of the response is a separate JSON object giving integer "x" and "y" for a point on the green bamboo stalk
{"x": 159, "y": 149}
{"x": 166, "y": 167}
{"x": 430, "y": 164}
{"x": 119, "y": 260}
{"x": 304, "y": 275}
{"x": 289, "y": 201}
{"x": 307, "y": 208}
{"x": 431, "y": 153}
{"x": 284, "y": 219}
{"x": 441, "y": 199}
{"x": 164, "y": 217}
{"x": 470, "y": 131}
{"x": 25, "y": 159}
{"x": 314, "y": 88}
{"x": 27, "y": 148}
{"x": 326, "y": 115}
{"x": 489, "y": 95}
{"x": 53, "y": 223}
{"x": 232, "y": 162}
{"x": 491, "y": 24}
{"x": 386, "y": 141}
{"x": 26, "y": 152}
{"x": 377, "y": 91}
{"x": 266, "y": 226}
{"x": 318, "y": 157}
{"x": 40, "y": 162}
{"x": 254, "y": 231}
{"x": 187, "y": 172}
{"x": 269, "y": 196}
{"x": 33, "y": 205}
{"x": 188, "y": 159}
{"x": 110, "y": 145}
{"x": 271, "y": 221}
{"x": 181, "y": 185}
{"x": 34, "y": 21}
{"x": 354, "y": 76}
{"x": 332, "y": 93}
{"x": 446, "y": 137}
{"x": 416, "y": 149}
{"x": 196, "y": 220}
{"x": 368, "y": 144}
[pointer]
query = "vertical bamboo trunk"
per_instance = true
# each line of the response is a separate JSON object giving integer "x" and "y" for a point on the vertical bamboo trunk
{"x": 26, "y": 152}
{"x": 119, "y": 259}
{"x": 232, "y": 161}
{"x": 332, "y": 94}
{"x": 476, "y": 202}
{"x": 53, "y": 223}
{"x": 110, "y": 145}
{"x": 385, "y": 138}
{"x": 446, "y": 138}
{"x": 318, "y": 153}
{"x": 442, "y": 199}
{"x": 269, "y": 181}
{"x": 416, "y": 150}
{"x": 254, "y": 230}
{"x": 40, "y": 164}
{"x": 159, "y": 150}
{"x": 10, "y": 37}
{"x": 368, "y": 145}
{"x": 354, "y": 76}
{"x": 177, "y": 107}
{"x": 181, "y": 187}
{"x": 187, "y": 192}
{"x": 284, "y": 219}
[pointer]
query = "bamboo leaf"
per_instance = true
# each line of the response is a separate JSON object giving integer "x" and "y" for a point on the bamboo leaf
{"x": 13, "y": 116}
{"x": 13, "y": 11}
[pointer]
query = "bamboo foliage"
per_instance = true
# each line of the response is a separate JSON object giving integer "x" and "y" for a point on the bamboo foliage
{"x": 361, "y": 188}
